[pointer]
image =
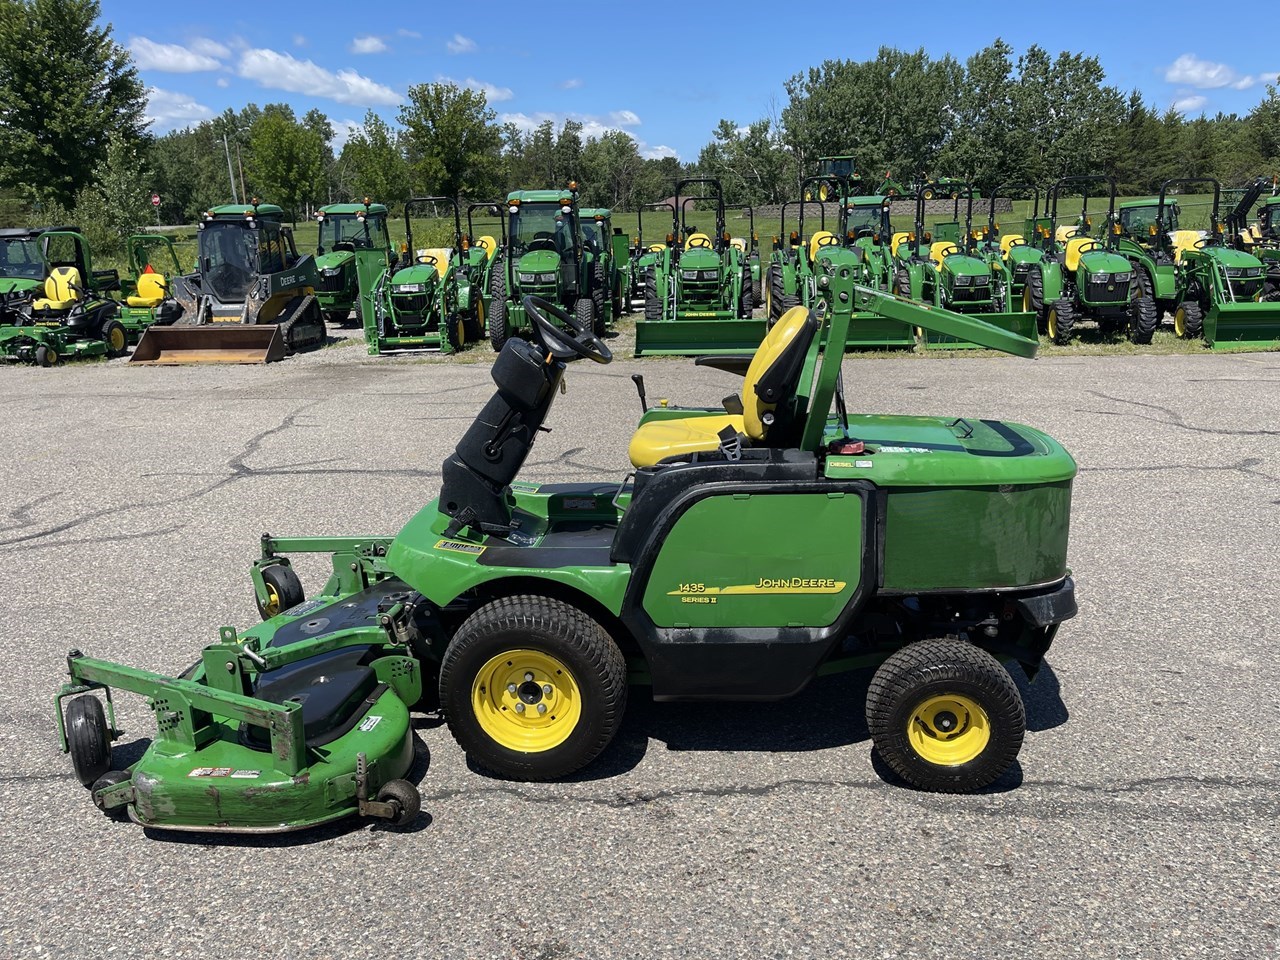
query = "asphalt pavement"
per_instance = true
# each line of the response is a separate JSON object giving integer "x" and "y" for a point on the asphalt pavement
{"x": 1140, "y": 821}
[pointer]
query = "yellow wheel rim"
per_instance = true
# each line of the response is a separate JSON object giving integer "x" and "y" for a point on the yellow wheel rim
{"x": 480, "y": 312}
{"x": 949, "y": 729}
{"x": 768, "y": 301}
{"x": 1053, "y": 322}
{"x": 273, "y": 600}
{"x": 526, "y": 701}
{"x": 462, "y": 333}
{"x": 53, "y": 357}
{"x": 1180, "y": 322}
{"x": 822, "y": 192}
{"x": 117, "y": 339}
{"x": 1026, "y": 298}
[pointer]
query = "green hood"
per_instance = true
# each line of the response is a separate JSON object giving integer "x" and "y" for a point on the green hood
{"x": 335, "y": 258}
{"x": 1229, "y": 257}
{"x": 424, "y": 273}
{"x": 16, "y": 284}
{"x": 962, "y": 265}
{"x": 539, "y": 261}
{"x": 1104, "y": 261}
{"x": 700, "y": 259}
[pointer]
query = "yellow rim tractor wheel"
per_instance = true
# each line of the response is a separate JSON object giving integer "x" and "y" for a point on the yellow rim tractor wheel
{"x": 949, "y": 729}
{"x": 823, "y": 192}
{"x": 526, "y": 700}
{"x": 117, "y": 340}
{"x": 1026, "y": 299}
{"x": 1053, "y": 324}
{"x": 1180, "y": 322}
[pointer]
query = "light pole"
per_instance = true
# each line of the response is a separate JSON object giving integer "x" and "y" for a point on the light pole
{"x": 230, "y": 175}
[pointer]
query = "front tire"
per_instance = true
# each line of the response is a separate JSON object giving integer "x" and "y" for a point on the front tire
{"x": 652, "y": 305}
{"x": 495, "y": 678}
{"x": 1188, "y": 320}
{"x": 1060, "y": 321}
{"x": 88, "y": 739}
{"x": 1033, "y": 297}
{"x": 1143, "y": 319}
{"x": 945, "y": 716}
{"x": 499, "y": 333}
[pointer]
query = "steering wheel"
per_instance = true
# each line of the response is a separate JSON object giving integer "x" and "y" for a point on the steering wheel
{"x": 828, "y": 241}
{"x": 562, "y": 344}
{"x": 1203, "y": 242}
{"x": 428, "y": 259}
{"x": 699, "y": 243}
{"x": 542, "y": 241}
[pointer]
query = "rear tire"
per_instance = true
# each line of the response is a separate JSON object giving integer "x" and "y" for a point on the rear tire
{"x": 88, "y": 739}
{"x": 504, "y": 644}
{"x": 499, "y": 333}
{"x": 114, "y": 336}
{"x": 1060, "y": 320}
{"x": 1143, "y": 319}
{"x": 1033, "y": 297}
{"x": 455, "y": 333}
{"x": 584, "y": 311}
{"x": 945, "y": 716}
{"x": 1188, "y": 320}
{"x": 652, "y": 305}
{"x": 600, "y": 284}
{"x": 757, "y": 291}
{"x": 748, "y": 301}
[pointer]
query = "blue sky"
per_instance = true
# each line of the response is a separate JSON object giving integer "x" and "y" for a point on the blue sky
{"x": 667, "y": 82}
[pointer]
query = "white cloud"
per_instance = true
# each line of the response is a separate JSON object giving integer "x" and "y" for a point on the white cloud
{"x": 593, "y": 126}
{"x": 572, "y": 84}
{"x": 169, "y": 57}
{"x": 409, "y": 34}
{"x": 658, "y": 152}
{"x": 280, "y": 71}
{"x": 299, "y": 40}
{"x": 1190, "y": 104}
{"x": 1191, "y": 71}
{"x": 343, "y": 130}
{"x": 624, "y": 118}
{"x": 222, "y": 82}
{"x": 367, "y": 44}
{"x": 167, "y": 109}
{"x": 461, "y": 44}
{"x": 1269, "y": 77}
{"x": 210, "y": 48}
{"x": 492, "y": 93}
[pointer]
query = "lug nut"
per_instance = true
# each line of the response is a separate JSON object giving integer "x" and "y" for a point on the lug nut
{"x": 546, "y": 689}
{"x": 528, "y": 676}
{"x": 542, "y": 708}
{"x": 511, "y": 688}
{"x": 519, "y": 708}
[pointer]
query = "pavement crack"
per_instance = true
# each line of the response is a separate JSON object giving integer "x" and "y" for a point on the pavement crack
{"x": 1172, "y": 418}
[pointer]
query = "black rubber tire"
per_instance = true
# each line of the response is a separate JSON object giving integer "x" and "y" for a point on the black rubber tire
{"x": 781, "y": 300}
{"x": 498, "y": 272}
{"x": 88, "y": 739}
{"x": 771, "y": 301}
{"x": 929, "y": 668}
{"x": 473, "y": 320}
{"x": 554, "y": 628}
{"x": 46, "y": 357}
{"x": 929, "y": 194}
{"x": 748, "y": 302}
{"x": 584, "y": 311}
{"x": 287, "y": 586}
{"x": 599, "y": 287}
{"x": 338, "y": 318}
{"x": 1034, "y": 296}
{"x": 757, "y": 286}
{"x": 652, "y": 305}
{"x": 499, "y": 332}
{"x": 1143, "y": 319}
{"x": 406, "y": 797}
{"x": 1064, "y": 321}
{"x": 1192, "y": 320}
{"x": 114, "y": 336}
{"x": 902, "y": 283}
{"x": 1270, "y": 292}
{"x": 454, "y": 333}
{"x": 110, "y": 779}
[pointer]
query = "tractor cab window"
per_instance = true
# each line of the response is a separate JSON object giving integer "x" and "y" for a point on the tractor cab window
{"x": 542, "y": 226}
{"x": 838, "y": 168}
{"x": 228, "y": 252}
{"x": 271, "y": 249}
{"x": 339, "y": 232}
{"x": 62, "y": 250}
{"x": 592, "y": 237}
{"x": 864, "y": 221}
{"x": 21, "y": 259}
{"x": 1138, "y": 221}
{"x": 1269, "y": 220}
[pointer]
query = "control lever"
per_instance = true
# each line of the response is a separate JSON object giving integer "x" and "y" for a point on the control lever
{"x": 638, "y": 380}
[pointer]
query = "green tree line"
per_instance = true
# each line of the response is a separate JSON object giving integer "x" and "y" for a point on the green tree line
{"x": 74, "y": 140}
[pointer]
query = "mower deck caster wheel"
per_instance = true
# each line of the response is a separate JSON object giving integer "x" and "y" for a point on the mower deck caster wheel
{"x": 88, "y": 739}
{"x": 284, "y": 590}
{"x": 110, "y": 779}
{"x": 403, "y": 796}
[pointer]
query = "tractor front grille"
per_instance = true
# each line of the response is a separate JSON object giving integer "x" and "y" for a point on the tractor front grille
{"x": 1246, "y": 289}
{"x": 411, "y": 303}
{"x": 1096, "y": 291}
{"x": 331, "y": 284}
{"x": 1020, "y": 269}
{"x": 548, "y": 291}
{"x": 970, "y": 294}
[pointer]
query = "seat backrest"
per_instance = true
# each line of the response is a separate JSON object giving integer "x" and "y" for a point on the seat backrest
{"x": 898, "y": 239}
{"x": 151, "y": 285}
{"x": 1008, "y": 241}
{"x": 440, "y": 255}
{"x": 738, "y": 244}
{"x": 62, "y": 284}
{"x": 697, "y": 241}
{"x": 821, "y": 238}
{"x": 774, "y": 373}
{"x": 488, "y": 245}
{"x": 1074, "y": 246}
{"x": 1065, "y": 232}
{"x": 1184, "y": 240}
{"x": 942, "y": 249}
{"x": 657, "y": 247}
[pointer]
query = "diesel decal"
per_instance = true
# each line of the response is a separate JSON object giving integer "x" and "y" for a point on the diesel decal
{"x": 458, "y": 547}
{"x": 764, "y": 586}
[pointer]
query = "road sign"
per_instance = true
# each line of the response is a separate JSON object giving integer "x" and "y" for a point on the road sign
{"x": 155, "y": 199}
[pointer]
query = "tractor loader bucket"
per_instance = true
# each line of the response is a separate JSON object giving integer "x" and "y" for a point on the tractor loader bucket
{"x": 213, "y": 343}
{"x": 692, "y": 338}
{"x": 1232, "y": 326}
{"x": 867, "y": 331}
{"x": 1023, "y": 323}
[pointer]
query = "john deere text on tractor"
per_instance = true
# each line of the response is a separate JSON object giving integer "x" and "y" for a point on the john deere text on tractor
{"x": 251, "y": 298}
{"x": 344, "y": 229}
{"x": 1083, "y": 277}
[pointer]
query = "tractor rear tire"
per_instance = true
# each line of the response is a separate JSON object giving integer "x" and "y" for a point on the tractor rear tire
{"x": 473, "y": 322}
{"x": 455, "y": 333}
{"x": 748, "y": 301}
{"x": 945, "y": 716}
{"x": 1188, "y": 320}
{"x": 757, "y": 292}
{"x": 652, "y": 305}
{"x": 114, "y": 336}
{"x": 1143, "y": 319}
{"x": 516, "y": 655}
{"x": 584, "y": 311}
{"x": 1060, "y": 320}
{"x": 284, "y": 590}
{"x": 928, "y": 193}
{"x": 88, "y": 739}
{"x": 1033, "y": 297}
{"x": 499, "y": 333}
{"x": 902, "y": 283}
{"x": 1270, "y": 292}
{"x": 599, "y": 284}
{"x": 498, "y": 273}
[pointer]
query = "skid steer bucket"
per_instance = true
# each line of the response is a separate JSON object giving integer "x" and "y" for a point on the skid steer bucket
{"x": 214, "y": 343}
{"x": 1234, "y": 326}
{"x": 1020, "y": 322}
{"x": 692, "y": 338}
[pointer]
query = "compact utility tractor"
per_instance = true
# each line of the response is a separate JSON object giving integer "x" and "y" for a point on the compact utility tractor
{"x": 1010, "y": 248}
{"x": 697, "y": 297}
{"x": 931, "y": 188}
{"x": 1261, "y": 238}
{"x": 608, "y": 251}
{"x": 530, "y": 606}
{"x": 953, "y": 272}
{"x": 428, "y": 301}
{"x": 346, "y": 228}
{"x": 1213, "y": 289}
{"x": 251, "y": 298}
{"x": 749, "y": 247}
{"x": 789, "y": 268}
{"x": 645, "y": 254}
{"x": 484, "y": 250}
{"x": 55, "y": 306}
{"x": 545, "y": 257}
{"x": 839, "y": 180}
{"x": 1085, "y": 277}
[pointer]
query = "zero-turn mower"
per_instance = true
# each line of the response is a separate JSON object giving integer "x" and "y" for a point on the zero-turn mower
{"x": 530, "y": 607}
{"x": 346, "y": 229}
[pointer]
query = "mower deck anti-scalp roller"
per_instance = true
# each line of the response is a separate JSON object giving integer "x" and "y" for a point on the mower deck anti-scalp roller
{"x": 527, "y": 608}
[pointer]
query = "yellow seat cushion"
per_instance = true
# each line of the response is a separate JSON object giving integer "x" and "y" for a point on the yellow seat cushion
{"x": 657, "y": 440}
{"x": 697, "y": 241}
{"x": 437, "y": 257}
{"x": 1074, "y": 248}
{"x": 823, "y": 238}
{"x": 1184, "y": 240}
{"x": 738, "y": 244}
{"x": 151, "y": 291}
{"x": 488, "y": 245}
{"x": 657, "y": 247}
{"x": 942, "y": 249}
{"x": 899, "y": 238}
{"x": 60, "y": 289}
{"x": 1007, "y": 242}
{"x": 1065, "y": 233}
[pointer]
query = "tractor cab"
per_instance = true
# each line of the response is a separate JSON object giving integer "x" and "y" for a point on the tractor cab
{"x": 1269, "y": 221}
{"x": 346, "y": 229}
{"x": 237, "y": 245}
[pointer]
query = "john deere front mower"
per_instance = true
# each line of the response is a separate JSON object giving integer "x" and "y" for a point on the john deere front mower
{"x": 698, "y": 290}
{"x": 430, "y": 300}
{"x": 531, "y": 607}
{"x": 345, "y": 229}
{"x": 251, "y": 298}
{"x": 1082, "y": 276}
